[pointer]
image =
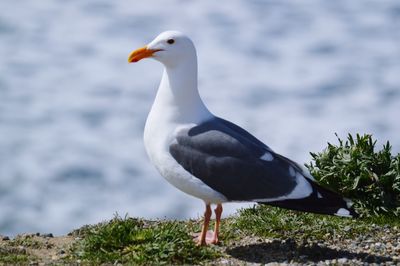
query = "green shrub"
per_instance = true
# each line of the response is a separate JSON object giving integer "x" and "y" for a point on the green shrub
{"x": 353, "y": 168}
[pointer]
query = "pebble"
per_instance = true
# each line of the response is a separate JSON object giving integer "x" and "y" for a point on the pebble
{"x": 61, "y": 251}
{"x": 342, "y": 260}
{"x": 224, "y": 262}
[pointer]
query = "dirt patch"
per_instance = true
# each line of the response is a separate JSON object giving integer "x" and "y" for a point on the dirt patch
{"x": 35, "y": 248}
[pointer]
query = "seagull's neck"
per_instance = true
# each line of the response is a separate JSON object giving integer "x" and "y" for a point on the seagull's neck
{"x": 178, "y": 98}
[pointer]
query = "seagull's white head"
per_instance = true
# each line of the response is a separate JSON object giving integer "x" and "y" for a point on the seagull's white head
{"x": 170, "y": 48}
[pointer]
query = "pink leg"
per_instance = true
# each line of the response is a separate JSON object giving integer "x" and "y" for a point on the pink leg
{"x": 203, "y": 234}
{"x": 218, "y": 212}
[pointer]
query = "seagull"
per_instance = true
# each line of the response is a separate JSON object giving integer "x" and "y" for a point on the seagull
{"x": 213, "y": 159}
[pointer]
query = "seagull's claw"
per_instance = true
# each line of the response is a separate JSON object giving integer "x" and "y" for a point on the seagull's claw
{"x": 211, "y": 238}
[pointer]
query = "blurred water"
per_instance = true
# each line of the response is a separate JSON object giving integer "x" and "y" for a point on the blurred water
{"x": 72, "y": 111}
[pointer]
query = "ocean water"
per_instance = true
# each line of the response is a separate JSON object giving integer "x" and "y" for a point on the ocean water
{"x": 72, "y": 110}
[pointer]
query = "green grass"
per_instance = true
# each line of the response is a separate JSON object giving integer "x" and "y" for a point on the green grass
{"x": 13, "y": 259}
{"x": 140, "y": 242}
{"x": 267, "y": 221}
{"x": 128, "y": 240}
{"x": 136, "y": 241}
{"x": 27, "y": 241}
{"x": 13, "y": 256}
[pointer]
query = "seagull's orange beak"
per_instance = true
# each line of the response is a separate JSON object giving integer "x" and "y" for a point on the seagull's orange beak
{"x": 141, "y": 53}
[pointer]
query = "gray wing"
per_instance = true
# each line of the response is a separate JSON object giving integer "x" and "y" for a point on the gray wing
{"x": 228, "y": 159}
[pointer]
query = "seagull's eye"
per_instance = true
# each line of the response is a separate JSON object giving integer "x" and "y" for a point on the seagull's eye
{"x": 170, "y": 41}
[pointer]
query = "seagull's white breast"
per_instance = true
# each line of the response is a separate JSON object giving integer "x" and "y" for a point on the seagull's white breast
{"x": 159, "y": 133}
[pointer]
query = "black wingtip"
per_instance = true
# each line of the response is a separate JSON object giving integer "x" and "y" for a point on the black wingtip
{"x": 349, "y": 208}
{"x": 354, "y": 214}
{"x": 322, "y": 202}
